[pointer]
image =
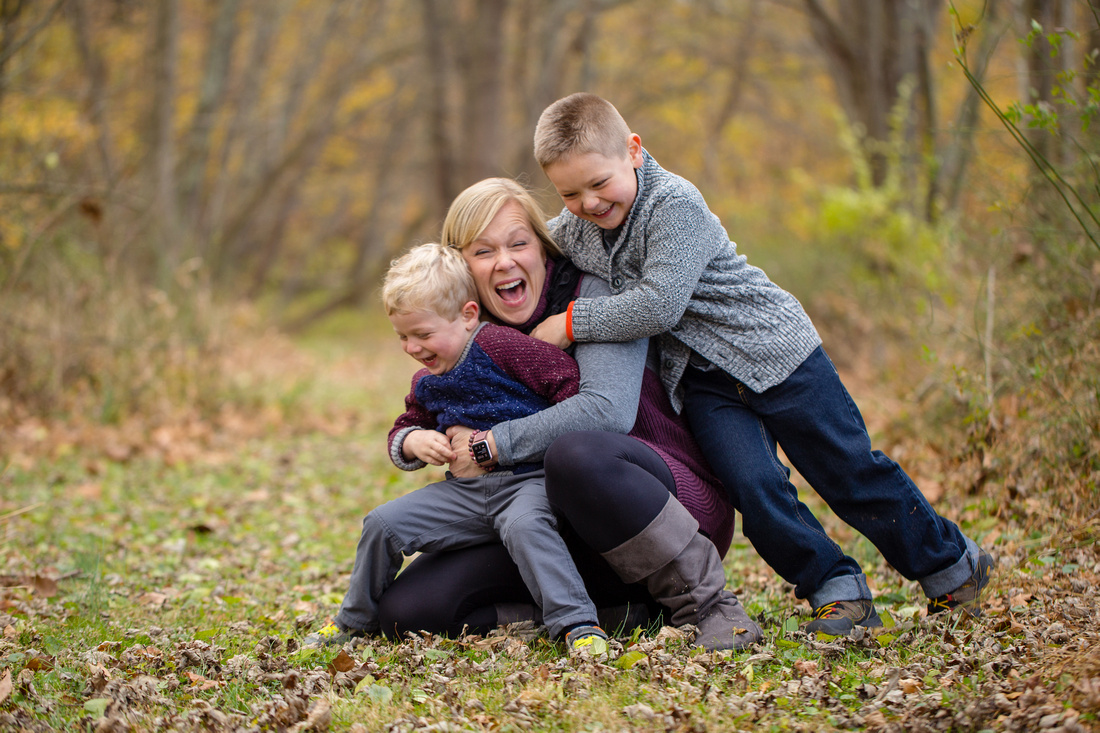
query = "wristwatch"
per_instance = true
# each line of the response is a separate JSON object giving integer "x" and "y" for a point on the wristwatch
{"x": 479, "y": 449}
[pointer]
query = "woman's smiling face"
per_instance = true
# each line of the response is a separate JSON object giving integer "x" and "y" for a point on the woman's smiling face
{"x": 509, "y": 265}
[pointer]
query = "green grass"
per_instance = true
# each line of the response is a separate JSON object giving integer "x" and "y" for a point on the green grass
{"x": 185, "y": 588}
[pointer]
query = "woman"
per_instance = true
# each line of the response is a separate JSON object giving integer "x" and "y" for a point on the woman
{"x": 645, "y": 520}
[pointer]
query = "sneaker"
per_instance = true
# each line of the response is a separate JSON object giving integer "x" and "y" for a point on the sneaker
{"x": 967, "y": 596}
{"x": 586, "y": 639}
{"x": 840, "y": 618}
{"x": 331, "y": 635}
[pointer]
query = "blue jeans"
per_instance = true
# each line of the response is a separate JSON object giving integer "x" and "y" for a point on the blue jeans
{"x": 812, "y": 416}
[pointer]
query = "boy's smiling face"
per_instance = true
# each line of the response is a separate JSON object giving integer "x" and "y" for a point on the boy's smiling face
{"x": 435, "y": 341}
{"x": 597, "y": 188}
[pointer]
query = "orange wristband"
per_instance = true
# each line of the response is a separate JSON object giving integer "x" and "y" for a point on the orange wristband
{"x": 569, "y": 321}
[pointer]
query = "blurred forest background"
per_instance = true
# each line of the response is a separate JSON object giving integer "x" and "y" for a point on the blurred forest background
{"x": 188, "y": 188}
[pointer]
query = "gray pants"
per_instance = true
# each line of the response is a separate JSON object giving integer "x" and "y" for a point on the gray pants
{"x": 460, "y": 512}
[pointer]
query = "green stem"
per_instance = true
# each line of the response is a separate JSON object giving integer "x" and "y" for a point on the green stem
{"x": 1045, "y": 167}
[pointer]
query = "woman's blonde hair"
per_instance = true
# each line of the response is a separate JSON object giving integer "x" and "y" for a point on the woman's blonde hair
{"x": 429, "y": 277}
{"x": 473, "y": 210}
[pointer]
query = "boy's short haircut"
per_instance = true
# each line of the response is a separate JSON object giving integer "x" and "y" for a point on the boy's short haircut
{"x": 473, "y": 210}
{"x": 429, "y": 277}
{"x": 578, "y": 124}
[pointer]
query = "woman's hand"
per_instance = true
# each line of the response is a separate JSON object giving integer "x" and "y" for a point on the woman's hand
{"x": 463, "y": 465}
{"x": 428, "y": 446}
{"x": 552, "y": 331}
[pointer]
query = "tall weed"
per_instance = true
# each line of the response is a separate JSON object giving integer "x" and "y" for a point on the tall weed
{"x": 80, "y": 337}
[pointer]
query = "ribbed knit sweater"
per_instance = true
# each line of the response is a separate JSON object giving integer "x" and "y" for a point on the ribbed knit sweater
{"x": 674, "y": 271}
{"x": 501, "y": 375}
{"x": 696, "y": 487}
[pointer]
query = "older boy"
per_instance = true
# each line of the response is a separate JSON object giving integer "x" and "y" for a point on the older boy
{"x": 740, "y": 356}
{"x": 474, "y": 374}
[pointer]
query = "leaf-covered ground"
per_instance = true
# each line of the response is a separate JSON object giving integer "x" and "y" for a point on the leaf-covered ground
{"x": 161, "y": 577}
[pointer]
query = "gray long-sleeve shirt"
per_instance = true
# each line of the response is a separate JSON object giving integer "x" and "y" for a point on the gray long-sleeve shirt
{"x": 674, "y": 271}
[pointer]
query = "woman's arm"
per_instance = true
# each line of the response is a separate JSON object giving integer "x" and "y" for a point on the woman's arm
{"x": 611, "y": 382}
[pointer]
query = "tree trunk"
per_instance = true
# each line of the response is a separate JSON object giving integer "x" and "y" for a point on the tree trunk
{"x": 871, "y": 47}
{"x": 196, "y": 155}
{"x": 164, "y": 54}
{"x": 10, "y": 40}
{"x": 482, "y": 80}
{"x": 957, "y": 153}
{"x": 442, "y": 161}
{"x": 96, "y": 68}
{"x": 213, "y": 212}
{"x": 1043, "y": 68}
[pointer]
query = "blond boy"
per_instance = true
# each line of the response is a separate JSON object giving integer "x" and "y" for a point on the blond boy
{"x": 473, "y": 374}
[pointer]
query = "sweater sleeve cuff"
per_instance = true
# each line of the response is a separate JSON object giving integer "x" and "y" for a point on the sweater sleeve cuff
{"x": 579, "y": 321}
{"x": 398, "y": 457}
{"x": 502, "y": 437}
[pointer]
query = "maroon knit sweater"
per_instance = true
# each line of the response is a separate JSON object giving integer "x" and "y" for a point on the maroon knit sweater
{"x": 701, "y": 493}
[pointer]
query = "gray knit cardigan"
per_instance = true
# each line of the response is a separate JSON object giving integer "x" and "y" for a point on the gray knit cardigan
{"x": 674, "y": 271}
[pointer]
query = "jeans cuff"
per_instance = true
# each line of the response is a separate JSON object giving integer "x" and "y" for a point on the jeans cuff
{"x": 945, "y": 581}
{"x": 841, "y": 588}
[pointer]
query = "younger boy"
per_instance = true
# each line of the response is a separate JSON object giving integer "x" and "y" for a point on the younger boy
{"x": 740, "y": 356}
{"x": 475, "y": 374}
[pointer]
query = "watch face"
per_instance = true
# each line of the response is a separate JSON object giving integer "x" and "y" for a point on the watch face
{"x": 482, "y": 452}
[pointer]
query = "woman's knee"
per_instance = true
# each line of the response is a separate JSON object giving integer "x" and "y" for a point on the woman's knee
{"x": 570, "y": 462}
{"x": 572, "y": 452}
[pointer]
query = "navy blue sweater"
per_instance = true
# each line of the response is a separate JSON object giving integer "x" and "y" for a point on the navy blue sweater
{"x": 502, "y": 375}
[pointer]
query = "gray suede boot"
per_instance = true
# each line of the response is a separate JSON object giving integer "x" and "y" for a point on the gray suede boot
{"x": 682, "y": 571}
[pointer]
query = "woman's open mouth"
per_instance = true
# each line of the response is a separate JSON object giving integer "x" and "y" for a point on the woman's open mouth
{"x": 512, "y": 292}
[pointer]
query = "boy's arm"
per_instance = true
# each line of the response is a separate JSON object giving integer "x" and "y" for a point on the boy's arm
{"x": 544, "y": 369}
{"x": 679, "y": 240}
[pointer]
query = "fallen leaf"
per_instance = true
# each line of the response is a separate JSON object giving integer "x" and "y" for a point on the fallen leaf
{"x": 875, "y": 719}
{"x": 152, "y": 598}
{"x": 90, "y": 491}
{"x": 805, "y": 667}
{"x": 5, "y": 686}
{"x": 909, "y": 685}
{"x": 319, "y": 718}
{"x": 667, "y": 634}
{"x": 40, "y": 664}
{"x": 97, "y": 706}
{"x": 639, "y": 710}
{"x": 342, "y": 663}
{"x": 43, "y": 586}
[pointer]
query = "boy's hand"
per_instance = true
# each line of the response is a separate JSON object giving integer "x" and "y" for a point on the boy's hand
{"x": 463, "y": 465}
{"x": 428, "y": 446}
{"x": 552, "y": 331}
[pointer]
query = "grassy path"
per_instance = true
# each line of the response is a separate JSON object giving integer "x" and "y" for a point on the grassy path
{"x": 167, "y": 589}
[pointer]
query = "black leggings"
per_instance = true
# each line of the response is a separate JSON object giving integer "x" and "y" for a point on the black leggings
{"x": 608, "y": 487}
